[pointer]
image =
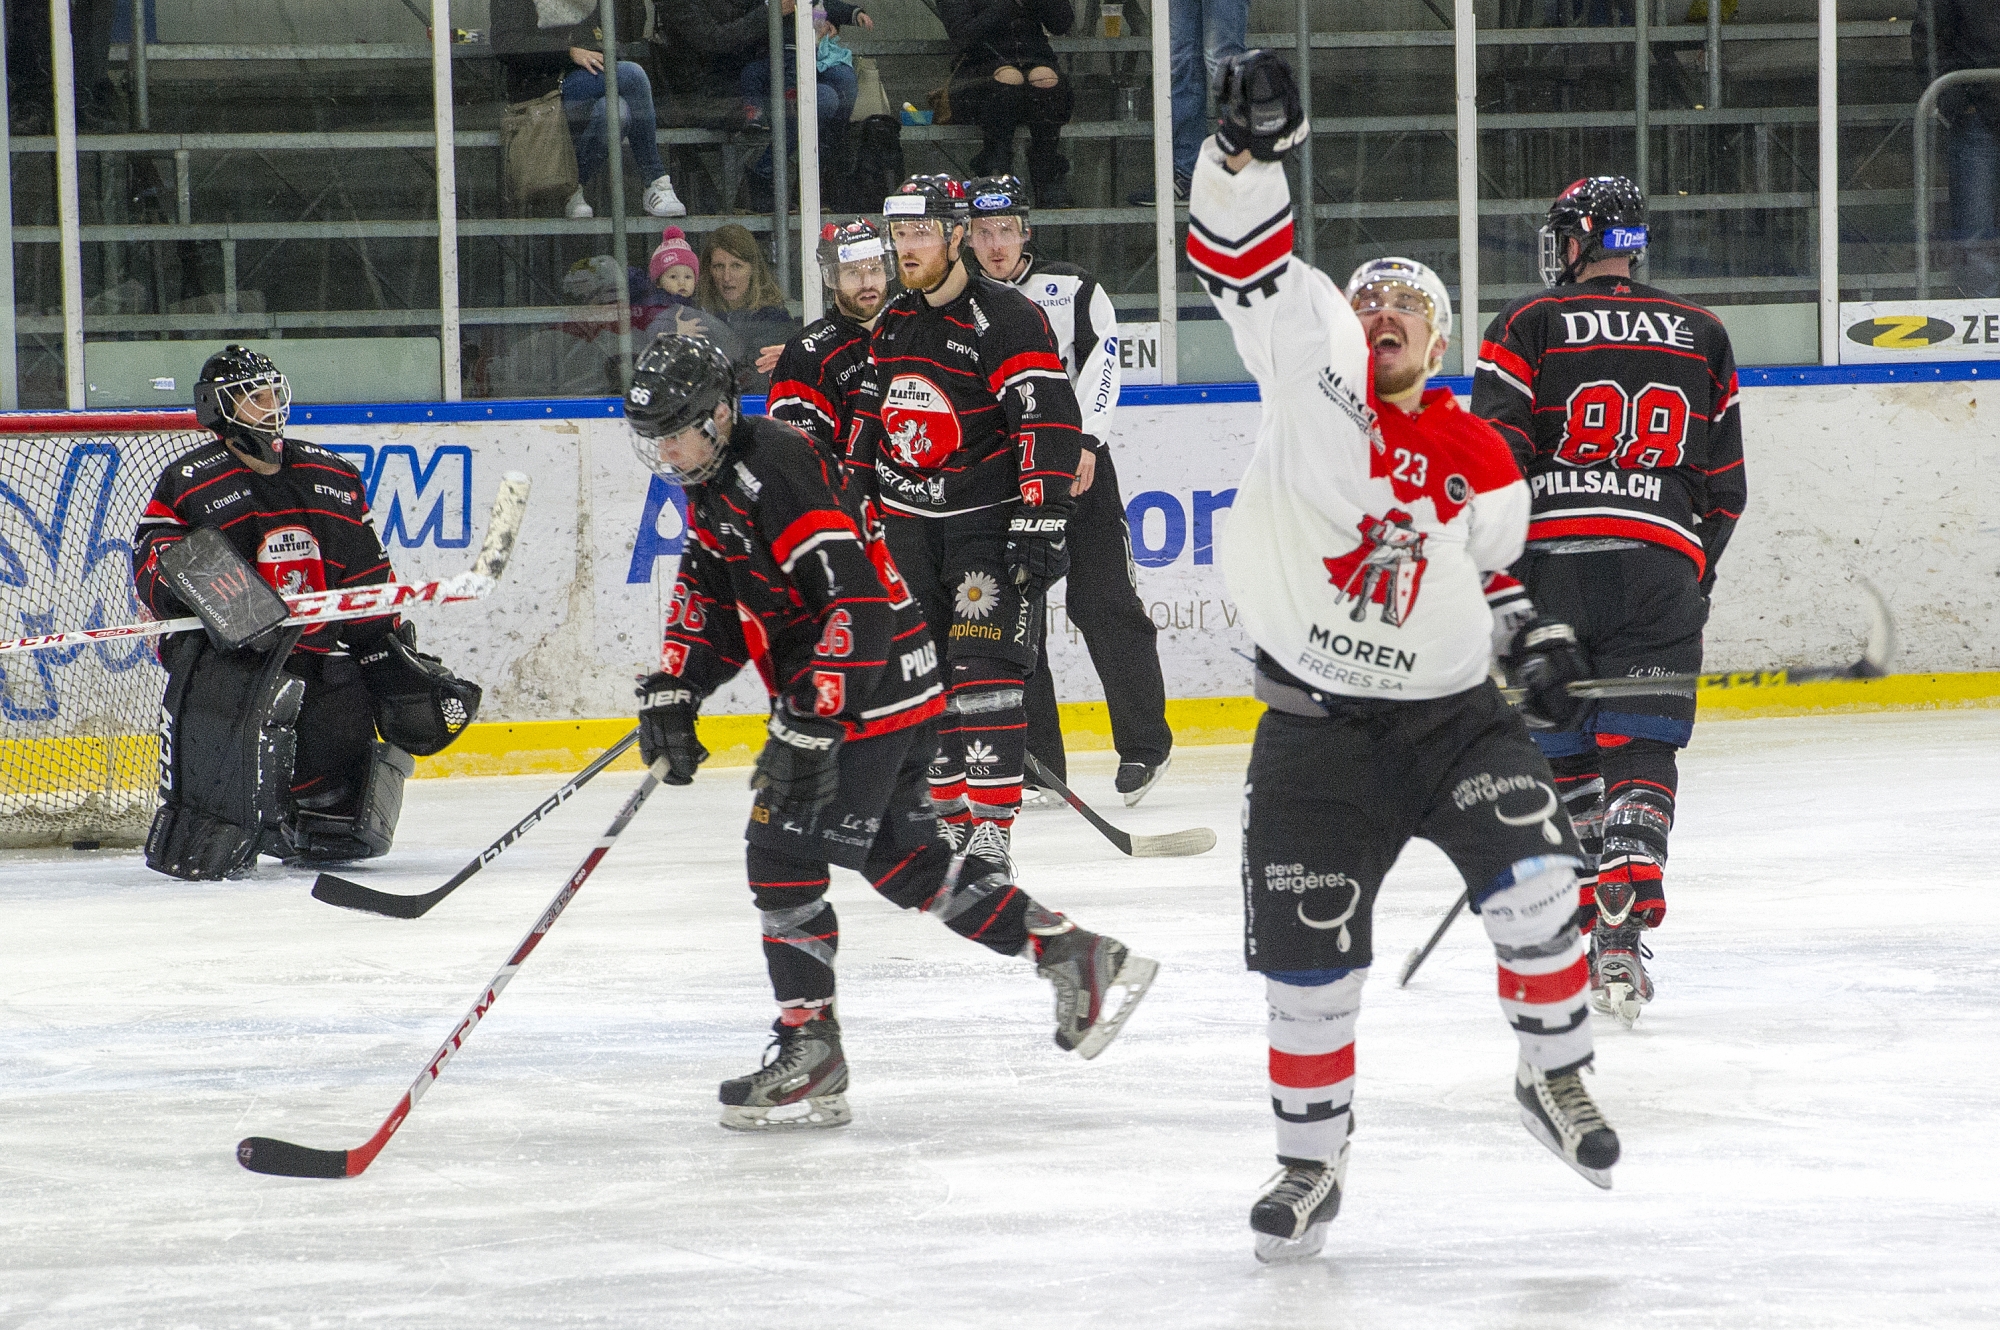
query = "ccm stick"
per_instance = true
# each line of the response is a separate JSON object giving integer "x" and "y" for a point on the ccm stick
{"x": 362, "y": 602}
{"x": 353, "y": 896}
{"x": 261, "y": 1154}
{"x": 1172, "y": 845}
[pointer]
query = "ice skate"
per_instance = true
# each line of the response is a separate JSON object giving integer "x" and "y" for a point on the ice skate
{"x": 1098, "y": 983}
{"x": 1301, "y": 1199}
{"x": 1134, "y": 779}
{"x": 1619, "y": 984}
{"x": 1559, "y": 1112}
{"x": 804, "y": 1085}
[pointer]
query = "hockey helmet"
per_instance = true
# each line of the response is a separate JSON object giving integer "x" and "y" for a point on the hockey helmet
{"x": 246, "y": 400}
{"x": 997, "y": 196}
{"x": 1604, "y": 214}
{"x": 1404, "y": 285}
{"x": 841, "y": 243}
{"x": 677, "y": 383}
{"x": 937, "y": 196}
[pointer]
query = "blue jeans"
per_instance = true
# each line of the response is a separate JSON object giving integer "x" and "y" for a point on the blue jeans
{"x": 839, "y": 88}
{"x": 1973, "y": 158}
{"x": 1202, "y": 33}
{"x": 583, "y": 101}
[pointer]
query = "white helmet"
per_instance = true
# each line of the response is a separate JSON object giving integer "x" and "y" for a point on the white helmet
{"x": 1408, "y": 274}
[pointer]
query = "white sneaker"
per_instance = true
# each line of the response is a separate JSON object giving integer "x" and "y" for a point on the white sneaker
{"x": 578, "y": 208}
{"x": 661, "y": 201}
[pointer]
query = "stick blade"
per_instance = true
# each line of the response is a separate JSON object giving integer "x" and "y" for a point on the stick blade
{"x": 1880, "y": 653}
{"x": 261, "y": 1154}
{"x": 353, "y": 896}
{"x": 1174, "y": 844}
{"x": 503, "y": 527}
{"x": 1409, "y": 966}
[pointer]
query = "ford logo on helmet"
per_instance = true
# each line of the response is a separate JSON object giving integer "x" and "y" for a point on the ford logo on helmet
{"x": 988, "y": 202}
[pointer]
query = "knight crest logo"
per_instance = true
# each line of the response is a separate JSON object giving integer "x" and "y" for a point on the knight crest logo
{"x": 918, "y": 419}
{"x": 290, "y": 561}
{"x": 1387, "y": 568}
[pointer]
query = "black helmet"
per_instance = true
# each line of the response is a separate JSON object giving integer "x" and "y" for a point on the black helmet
{"x": 1604, "y": 214}
{"x": 677, "y": 382}
{"x": 998, "y": 196}
{"x": 937, "y": 196}
{"x": 848, "y": 242}
{"x": 229, "y": 379}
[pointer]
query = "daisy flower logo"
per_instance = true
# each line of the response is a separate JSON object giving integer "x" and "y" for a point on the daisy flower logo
{"x": 977, "y": 595}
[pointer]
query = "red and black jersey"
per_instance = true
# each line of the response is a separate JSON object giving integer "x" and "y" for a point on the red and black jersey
{"x": 1621, "y": 404}
{"x": 777, "y": 570}
{"x": 820, "y": 379}
{"x": 969, "y": 407}
{"x": 305, "y": 529}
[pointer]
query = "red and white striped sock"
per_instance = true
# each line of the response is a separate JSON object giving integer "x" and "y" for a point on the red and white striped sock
{"x": 1312, "y": 1060}
{"x": 1544, "y": 976}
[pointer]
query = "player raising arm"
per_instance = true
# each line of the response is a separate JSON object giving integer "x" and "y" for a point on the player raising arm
{"x": 778, "y": 573}
{"x": 1362, "y": 532}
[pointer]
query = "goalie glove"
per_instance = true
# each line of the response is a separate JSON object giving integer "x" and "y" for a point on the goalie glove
{"x": 666, "y": 727}
{"x": 1037, "y": 549}
{"x": 1544, "y": 662}
{"x": 1257, "y": 106}
{"x": 798, "y": 772}
{"x": 420, "y": 706}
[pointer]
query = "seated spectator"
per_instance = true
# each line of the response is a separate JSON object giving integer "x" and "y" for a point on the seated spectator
{"x": 839, "y": 85}
{"x": 1004, "y": 75}
{"x": 543, "y": 43}
{"x": 736, "y": 285}
{"x": 674, "y": 273}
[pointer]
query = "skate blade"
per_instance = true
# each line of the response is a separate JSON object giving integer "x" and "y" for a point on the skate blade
{"x": 1134, "y": 977}
{"x": 1597, "y": 1177}
{"x": 1619, "y": 1000}
{"x": 1283, "y": 1251}
{"x": 829, "y": 1110}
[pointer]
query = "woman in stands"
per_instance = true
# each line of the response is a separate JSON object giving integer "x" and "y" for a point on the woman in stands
{"x": 1003, "y": 76}
{"x": 546, "y": 43}
{"x": 736, "y": 286}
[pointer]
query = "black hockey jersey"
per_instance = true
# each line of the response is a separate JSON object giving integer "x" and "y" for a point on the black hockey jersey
{"x": 1620, "y": 402}
{"x": 819, "y": 381}
{"x": 1086, "y": 332}
{"x": 305, "y": 529}
{"x": 778, "y": 571}
{"x": 969, "y": 407}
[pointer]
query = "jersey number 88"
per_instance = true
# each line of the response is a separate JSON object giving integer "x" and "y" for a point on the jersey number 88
{"x": 1645, "y": 431}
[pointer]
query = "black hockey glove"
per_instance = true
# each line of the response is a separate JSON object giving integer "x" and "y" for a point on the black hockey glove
{"x": 1257, "y": 106}
{"x": 1544, "y": 662}
{"x": 799, "y": 769}
{"x": 666, "y": 727}
{"x": 1038, "y": 548}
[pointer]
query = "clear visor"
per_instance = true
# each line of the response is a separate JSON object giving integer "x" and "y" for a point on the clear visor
{"x": 263, "y": 403}
{"x": 858, "y": 271}
{"x": 917, "y": 231}
{"x": 686, "y": 456}
{"x": 1395, "y": 297}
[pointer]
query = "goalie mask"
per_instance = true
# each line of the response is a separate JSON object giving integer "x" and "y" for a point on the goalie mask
{"x": 676, "y": 385}
{"x": 245, "y": 399}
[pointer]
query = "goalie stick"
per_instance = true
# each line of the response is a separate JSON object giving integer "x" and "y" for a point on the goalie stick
{"x": 1172, "y": 845}
{"x": 361, "y": 602}
{"x": 262, "y": 1154}
{"x": 353, "y": 896}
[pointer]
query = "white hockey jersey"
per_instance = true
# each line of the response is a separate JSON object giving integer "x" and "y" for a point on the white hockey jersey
{"x": 1086, "y": 329}
{"x": 1360, "y": 535}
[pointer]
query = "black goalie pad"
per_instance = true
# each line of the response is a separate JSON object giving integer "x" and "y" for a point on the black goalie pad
{"x": 371, "y": 829}
{"x": 234, "y": 602}
{"x": 227, "y": 745}
{"x": 420, "y": 706}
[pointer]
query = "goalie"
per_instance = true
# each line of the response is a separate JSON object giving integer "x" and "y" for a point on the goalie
{"x": 267, "y": 732}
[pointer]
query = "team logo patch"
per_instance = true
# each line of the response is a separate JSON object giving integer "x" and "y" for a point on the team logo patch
{"x": 1457, "y": 488}
{"x": 1387, "y": 567}
{"x": 829, "y": 692}
{"x": 918, "y": 418}
{"x": 990, "y": 202}
{"x": 976, "y": 596}
{"x": 289, "y": 559}
{"x": 673, "y": 656}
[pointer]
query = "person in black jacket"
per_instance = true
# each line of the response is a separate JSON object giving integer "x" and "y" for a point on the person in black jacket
{"x": 1004, "y": 75}
{"x": 1967, "y": 36}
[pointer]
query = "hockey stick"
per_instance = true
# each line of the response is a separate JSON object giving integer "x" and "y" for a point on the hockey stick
{"x": 1418, "y": 955}
{"x": 362, "y": 602}
{"x": 1172, "y": 845}
{"x": 261, "y": 1154}
{"x": 353, "y": 896}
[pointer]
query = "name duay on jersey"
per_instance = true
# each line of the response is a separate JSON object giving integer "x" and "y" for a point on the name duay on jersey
{"x": 1360, "y": 536}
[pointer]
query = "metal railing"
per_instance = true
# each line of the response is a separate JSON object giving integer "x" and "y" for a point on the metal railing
{"x": 1920, "y": 147}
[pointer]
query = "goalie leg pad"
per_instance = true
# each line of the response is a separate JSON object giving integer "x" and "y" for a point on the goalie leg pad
{"x": 370, "y": 829}
{"x": 227, "y": 744}
{"x": 420, "y": 706}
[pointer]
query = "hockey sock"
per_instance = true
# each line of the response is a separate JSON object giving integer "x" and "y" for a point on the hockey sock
{"x": 982, "y": 905}
{"x": 1529, "y": 912}
{"x": 800, "y": 931}
{"x": 992, "y": 735}
{"x": 1312, "y": 1016}
{"x": 1581, "y": 787}
{"x": 947, "y": 770}
{"x": 1640, "y": 776}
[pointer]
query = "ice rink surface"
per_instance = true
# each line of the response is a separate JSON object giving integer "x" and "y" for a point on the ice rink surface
{"x": 1808, "y": 1110}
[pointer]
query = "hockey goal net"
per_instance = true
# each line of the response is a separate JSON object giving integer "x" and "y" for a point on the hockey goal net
{"x": 79, "y": 752}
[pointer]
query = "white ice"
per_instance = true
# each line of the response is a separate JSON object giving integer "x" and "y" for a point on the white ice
{"x": 1808, "y": 1110}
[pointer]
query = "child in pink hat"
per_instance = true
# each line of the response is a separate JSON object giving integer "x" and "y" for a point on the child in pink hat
{"x": 674, "y": 267}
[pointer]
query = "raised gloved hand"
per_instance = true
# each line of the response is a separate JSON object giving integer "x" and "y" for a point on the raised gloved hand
{"x": 1544, "y": 662}
{"x": 1257, "y": 106}
{"x": 1037, "y": 548}
{"x": 666, "y": 727}
{"x": 799, "y": 769}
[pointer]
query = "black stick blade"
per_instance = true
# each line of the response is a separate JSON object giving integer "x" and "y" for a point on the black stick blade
{"x": 353, "y": 896}
{"x": 261, "y": 1154}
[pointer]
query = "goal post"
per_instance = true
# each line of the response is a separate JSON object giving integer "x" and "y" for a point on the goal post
{"x": 79, "y": 752}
